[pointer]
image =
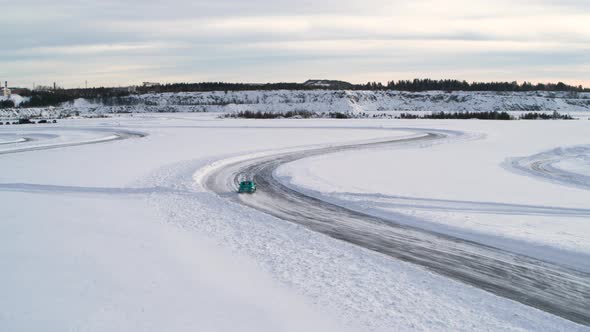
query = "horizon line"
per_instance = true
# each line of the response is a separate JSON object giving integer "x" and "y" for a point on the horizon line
{"x": 70, "y": 87}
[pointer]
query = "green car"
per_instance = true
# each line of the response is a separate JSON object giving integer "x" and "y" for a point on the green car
{"x": 248, "y": 187}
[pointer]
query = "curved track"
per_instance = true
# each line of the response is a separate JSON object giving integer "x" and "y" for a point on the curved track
{"x": 549, "y": 287}
{"x": 115, "y": 136}
{"x": 545, "y": 165}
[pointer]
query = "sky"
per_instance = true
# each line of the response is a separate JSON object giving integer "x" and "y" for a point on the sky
{"x": 120, "y": 43}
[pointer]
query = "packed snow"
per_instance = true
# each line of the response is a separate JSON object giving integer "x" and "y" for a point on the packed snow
{"x": 118, "y": 236}
{"x": 11, "y": 139}
{"x": 579, "y": 166}
{"x": 48, "y": 137}
{"x": 567, "y": 165}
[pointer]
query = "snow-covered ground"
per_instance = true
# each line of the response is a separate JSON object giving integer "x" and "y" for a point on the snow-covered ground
{"x": 367, "y": 103}
{"x": 49, "y": 137}
{"x": 567, "y": 165}
{"x": 466, "y": 188}
{"x": 370, "y": 101}
{"x": 16, "y": 99}
{"x": 117, "y": 236}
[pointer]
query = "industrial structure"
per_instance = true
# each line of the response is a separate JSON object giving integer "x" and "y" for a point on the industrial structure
{"x": 150, "y": 84}
{"x": 6, "y": 91}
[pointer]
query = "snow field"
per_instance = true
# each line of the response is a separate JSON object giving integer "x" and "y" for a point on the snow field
{"x": 118, "y": 236}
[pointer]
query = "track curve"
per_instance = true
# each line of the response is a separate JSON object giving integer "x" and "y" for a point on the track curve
{"x": 552, "y": 288}
{"x": 545, "y": 166}
{"x": 116, "y": 135}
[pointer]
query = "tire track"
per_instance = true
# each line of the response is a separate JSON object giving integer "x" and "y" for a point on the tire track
{"x": 117, "y": 135}
{"x": 552, "y": 288}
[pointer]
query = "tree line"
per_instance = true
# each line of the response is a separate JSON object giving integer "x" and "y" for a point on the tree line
{"x": 460, "y": 115}
{"x": 494, "y": 115}
{"x": 44, "y": 98}
{"x": 418, "y": 85}
{"x": 288, "y": 115}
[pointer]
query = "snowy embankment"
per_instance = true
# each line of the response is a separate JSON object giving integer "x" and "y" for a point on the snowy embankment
{"x": 463, "y": 189}
{"x": 322, "y": 101}
{"x": 116, "y": 236}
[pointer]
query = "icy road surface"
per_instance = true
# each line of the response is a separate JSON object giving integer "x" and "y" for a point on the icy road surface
{"x": 550, "y": 287}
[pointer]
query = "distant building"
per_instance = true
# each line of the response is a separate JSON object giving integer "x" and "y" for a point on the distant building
{"x": 129, "y": 89}
{"x": 150, "y": 84}
{"x": 19, "y": 91}
{"x": 6, "y": 90}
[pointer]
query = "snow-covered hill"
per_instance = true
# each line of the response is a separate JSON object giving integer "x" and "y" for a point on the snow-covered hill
{"x": 16, "y": 99}
{"x": 324, "y": 101}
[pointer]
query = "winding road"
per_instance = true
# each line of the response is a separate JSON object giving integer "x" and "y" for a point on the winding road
{"x": 555, "y": 289}
{"x": 113, "y": 135}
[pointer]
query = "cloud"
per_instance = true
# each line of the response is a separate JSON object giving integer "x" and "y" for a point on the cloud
{"x": 264, "y": 40}
{"x": 440, "y": 46}
{"x": 95, "y": 49}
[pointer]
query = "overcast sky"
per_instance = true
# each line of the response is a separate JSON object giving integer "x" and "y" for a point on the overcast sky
{"x": 126, "y": 42}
